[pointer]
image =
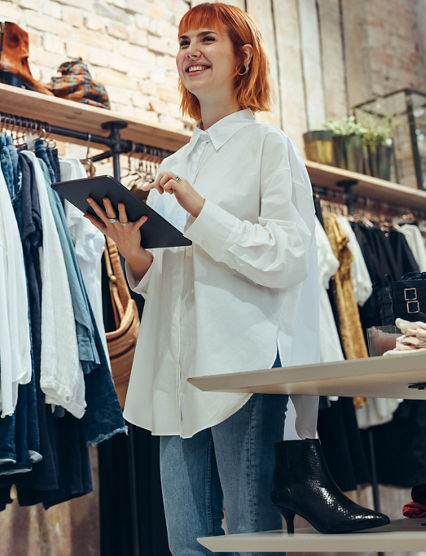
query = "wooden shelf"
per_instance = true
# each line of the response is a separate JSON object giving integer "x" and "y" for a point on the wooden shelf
{"x": 373, "y": 188}
{"x": 83, "y": 117}
{"x": 375, "y": 377}
{"x": 401, "y": 535}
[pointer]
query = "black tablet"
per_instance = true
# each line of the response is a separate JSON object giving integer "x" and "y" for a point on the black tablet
{"x": 156, "y": 232}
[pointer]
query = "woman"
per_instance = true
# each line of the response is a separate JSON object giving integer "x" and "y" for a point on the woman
{"x": 243, "y": 293}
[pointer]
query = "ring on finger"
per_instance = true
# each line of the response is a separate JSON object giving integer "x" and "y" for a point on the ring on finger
{"x": 123, "y": 223}
{"x": 112, "y": 220}
{"x": 177, "y": 178}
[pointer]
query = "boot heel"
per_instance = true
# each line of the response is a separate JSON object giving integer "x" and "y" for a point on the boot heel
{"x": 289, "y": 519}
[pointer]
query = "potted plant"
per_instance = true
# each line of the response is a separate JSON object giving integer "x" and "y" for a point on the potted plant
{"x": 378, "y": 145}
{"x": 319, "y": 145}
{"x": 347, "y": 143}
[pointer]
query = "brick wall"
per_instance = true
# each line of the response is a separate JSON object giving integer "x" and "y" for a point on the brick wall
{"x": 394, "y": 45}
{"x": 130, "y": 47}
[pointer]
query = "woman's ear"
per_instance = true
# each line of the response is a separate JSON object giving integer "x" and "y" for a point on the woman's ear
{"x": 247, "y": 50}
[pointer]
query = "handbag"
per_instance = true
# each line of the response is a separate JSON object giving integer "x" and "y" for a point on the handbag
{"x": 122, "y": 341}
{"x": 409, "y": 297}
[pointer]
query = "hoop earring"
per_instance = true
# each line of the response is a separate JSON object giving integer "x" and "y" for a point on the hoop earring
{"x": 245, "y": 71}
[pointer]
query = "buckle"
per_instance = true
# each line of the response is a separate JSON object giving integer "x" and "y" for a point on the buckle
{"x": 410, "y": 294}
{"x": 413, "y": 307}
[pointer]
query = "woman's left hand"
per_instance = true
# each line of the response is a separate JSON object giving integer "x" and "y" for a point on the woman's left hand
{"x": 186, "y": 196}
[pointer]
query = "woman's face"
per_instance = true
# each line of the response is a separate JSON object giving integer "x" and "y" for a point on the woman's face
{"x": 206, "y": 62}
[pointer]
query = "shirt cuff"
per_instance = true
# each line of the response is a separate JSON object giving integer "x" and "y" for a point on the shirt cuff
{"x": 140, "y": 287}
{"x": 211, "y": 229}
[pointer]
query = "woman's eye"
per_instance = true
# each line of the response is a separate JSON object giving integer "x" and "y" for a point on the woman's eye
{"x": 210, "y": 39}
{"x": 183, "y": 43}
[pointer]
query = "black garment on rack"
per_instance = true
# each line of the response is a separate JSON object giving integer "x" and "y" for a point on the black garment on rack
{"x": 114, "y": 460}
{"x": 342, "y": 444}
{"x": 387, "y": 258}
{"x": 400, "y": 446}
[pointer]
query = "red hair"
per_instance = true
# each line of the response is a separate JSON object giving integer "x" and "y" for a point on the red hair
{"x": 251, "y": 90}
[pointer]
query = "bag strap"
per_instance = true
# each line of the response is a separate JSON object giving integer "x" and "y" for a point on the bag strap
{"x": 120, "y": 295}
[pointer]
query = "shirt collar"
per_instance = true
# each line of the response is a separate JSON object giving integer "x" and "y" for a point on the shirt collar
{"x": 220, "y": 132}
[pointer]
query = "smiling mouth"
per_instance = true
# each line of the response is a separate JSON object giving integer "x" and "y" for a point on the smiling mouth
{"x": 194, "y": 69}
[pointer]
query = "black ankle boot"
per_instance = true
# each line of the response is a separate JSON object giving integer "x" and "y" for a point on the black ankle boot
{"x": 303, "y": 485}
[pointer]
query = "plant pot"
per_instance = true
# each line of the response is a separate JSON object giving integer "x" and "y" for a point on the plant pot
{"x": 354, "y": 153}
{"x": 339, "y": 151}
{"x": 319, "y": 146}
{"x": 379, "y": 158}
{"x": 348, "y": 152}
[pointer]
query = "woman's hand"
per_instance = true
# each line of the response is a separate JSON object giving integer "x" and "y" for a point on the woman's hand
{"x": 125, "y": 234}
{"x": 186, "y": 196}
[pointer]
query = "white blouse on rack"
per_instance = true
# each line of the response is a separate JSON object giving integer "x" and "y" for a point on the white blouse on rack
{"x": 328, "y": 265}
{"x": 246, "y": 287}
{"x": 61, "y": 374}
{"x": 15, "y": 347}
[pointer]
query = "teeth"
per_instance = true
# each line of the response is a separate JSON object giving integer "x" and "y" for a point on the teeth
{"x": 196, "y": 68}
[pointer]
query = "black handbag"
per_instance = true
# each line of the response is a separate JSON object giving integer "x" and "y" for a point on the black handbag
{"x": 409, "y": 297}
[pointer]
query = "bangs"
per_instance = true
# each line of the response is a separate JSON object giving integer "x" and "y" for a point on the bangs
{"x": 203, "y": 16}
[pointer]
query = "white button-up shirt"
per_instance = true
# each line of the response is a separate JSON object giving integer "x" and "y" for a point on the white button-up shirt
{"x": 246, "y": 287}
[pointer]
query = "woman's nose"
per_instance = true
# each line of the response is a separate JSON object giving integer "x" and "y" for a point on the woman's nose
{"x": 192, "y": 51}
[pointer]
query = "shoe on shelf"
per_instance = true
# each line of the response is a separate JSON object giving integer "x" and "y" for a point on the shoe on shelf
{"x": 304, "y": 486}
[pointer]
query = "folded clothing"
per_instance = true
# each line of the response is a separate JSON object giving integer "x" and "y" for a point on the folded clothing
{"x": 414, "y": 509}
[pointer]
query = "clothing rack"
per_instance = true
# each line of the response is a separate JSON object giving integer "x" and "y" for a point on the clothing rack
{"x": 116, "y": 146}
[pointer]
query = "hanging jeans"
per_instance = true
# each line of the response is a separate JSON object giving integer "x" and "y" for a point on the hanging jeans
{"x": 229, "y": 465}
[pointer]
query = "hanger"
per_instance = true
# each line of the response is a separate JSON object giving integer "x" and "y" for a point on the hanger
{"x": 87, "y": 162}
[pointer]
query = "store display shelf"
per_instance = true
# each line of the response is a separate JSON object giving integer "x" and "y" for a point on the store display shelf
{"x": 376, "y": 189}
{"x": 78, "y": 116}
{"x": 82, "y": 117}
{"x": 401, "y": 535}
{"x": 399, "y": 376}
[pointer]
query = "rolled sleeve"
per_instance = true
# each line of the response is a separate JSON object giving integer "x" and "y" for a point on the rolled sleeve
{"x": 140, "y": 286}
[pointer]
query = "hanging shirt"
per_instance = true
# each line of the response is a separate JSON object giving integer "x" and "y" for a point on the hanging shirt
{"x": 61, "y": 377}
{"x": 89, "y": 245}
{"x": 327, "y": 267}
{"x": 15, "y": 348}
{"x": 247, "y": 286}
{"x": 416, "y": 243}
{"x": 361, "y": 280}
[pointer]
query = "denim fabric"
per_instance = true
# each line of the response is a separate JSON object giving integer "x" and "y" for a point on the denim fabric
{"x": 19, "y": 436}
{"x": 41, "y": 151}
{"x": 85, "y": 325}
{"x": 54, "y": 162}
{"x": 103, "y": 417}
{"x": 230, "y": 465}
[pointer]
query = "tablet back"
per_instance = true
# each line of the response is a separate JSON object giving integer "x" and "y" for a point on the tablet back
{"x": 156, "y": 232}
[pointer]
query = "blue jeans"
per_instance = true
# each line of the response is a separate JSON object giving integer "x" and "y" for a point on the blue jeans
{"x": 229, "y": 465}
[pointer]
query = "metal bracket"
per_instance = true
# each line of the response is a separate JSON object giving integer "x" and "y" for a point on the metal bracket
{"x": 418, "y": 386}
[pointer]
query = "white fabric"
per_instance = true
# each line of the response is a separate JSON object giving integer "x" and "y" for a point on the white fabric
{"x": 328, "y": 265}
{"x": 61, "y": 375}
{"x": 416, "y": 243}
{"x": 89, "y": 245}
{"x": 15, "y": 347}
{"x": 246, "y": 286}
{"x": 361, "y": 280}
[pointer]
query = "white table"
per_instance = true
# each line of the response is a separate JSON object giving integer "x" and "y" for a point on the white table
{"x": 400, "y": 376}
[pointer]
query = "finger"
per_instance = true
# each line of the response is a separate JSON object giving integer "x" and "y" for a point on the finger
{"x": 101, "y": 227}
{"x": 148, "y": 186}
{"x": 141, "y": 221}
{"x": 122, "y": 214}
{"x": 109, "y": 209}
{"x": 97, "y": 210}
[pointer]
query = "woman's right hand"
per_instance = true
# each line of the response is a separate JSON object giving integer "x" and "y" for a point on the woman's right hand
{"x": 125, "y": 234}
